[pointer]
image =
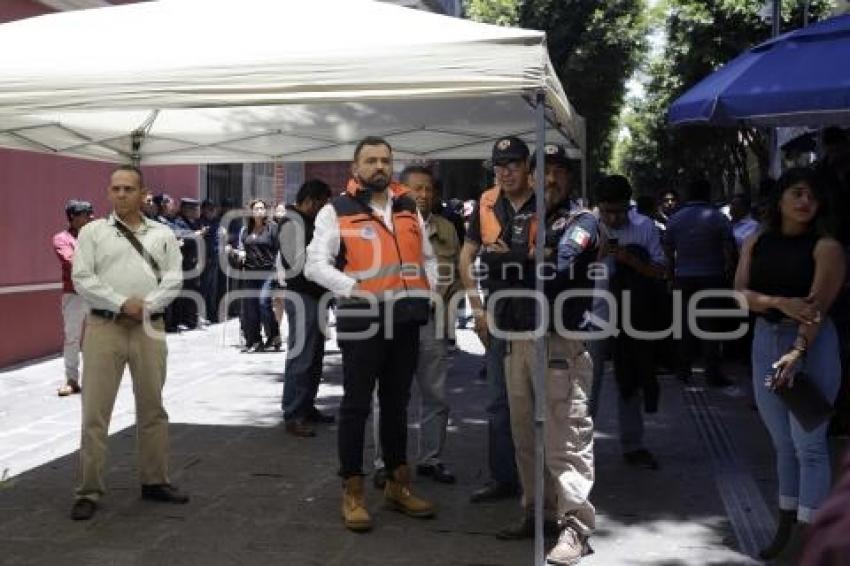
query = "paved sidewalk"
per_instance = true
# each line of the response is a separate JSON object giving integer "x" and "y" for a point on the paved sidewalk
{"x": 262, "y": 497}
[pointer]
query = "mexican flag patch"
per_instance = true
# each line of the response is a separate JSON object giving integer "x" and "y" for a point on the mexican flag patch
{"x": 580, "y": 236}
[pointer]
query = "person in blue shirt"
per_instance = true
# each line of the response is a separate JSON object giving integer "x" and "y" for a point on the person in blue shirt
{"x": 701, "y": 249}
{"x": 743, "y": 223}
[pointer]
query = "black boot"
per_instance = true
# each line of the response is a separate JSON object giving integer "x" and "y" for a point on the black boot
{"x": 793, "y": 551}
{"x": 787, "y": 520}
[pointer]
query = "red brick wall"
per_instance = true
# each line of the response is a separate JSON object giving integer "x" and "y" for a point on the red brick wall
{"x": 334, "y": 173}
{"x": 279, "y": 183}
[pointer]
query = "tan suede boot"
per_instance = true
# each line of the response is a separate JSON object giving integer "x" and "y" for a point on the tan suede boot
{"x": 398, "y": 496}
{"x": 354, "y": 511}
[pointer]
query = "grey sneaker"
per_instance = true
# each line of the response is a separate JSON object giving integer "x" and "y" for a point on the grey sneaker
{"x": 570, "y": 548}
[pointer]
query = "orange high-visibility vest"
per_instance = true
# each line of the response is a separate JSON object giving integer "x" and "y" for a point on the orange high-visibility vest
{"x": 491, "y": 225}
{"x": 382, "y": 261}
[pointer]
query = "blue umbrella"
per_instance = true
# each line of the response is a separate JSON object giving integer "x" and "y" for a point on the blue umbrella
{"x": 801, "y": 78}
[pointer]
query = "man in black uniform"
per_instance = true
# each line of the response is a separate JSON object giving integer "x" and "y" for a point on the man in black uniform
{"x": 572, "y": 239}
{"x": 305, "y": 348}
{"x": 190, "y": 234}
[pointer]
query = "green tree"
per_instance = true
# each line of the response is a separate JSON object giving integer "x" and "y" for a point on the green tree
{"x": 499, "y": 12}
{"x": 701, "y": 36}
{"x": 594, "y": 46}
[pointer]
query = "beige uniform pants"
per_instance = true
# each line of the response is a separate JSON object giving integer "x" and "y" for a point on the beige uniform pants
{"x": 568, "y": 429}
{"x": 110, "y": 346}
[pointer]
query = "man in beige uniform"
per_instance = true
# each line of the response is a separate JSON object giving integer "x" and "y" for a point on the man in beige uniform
{"x": 127, "y": 293}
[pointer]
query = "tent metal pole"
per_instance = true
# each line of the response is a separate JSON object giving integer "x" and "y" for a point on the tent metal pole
{"x": 775, "y": 163}
{"x": 540, "y": 341}
{"x": 137, "y": 137}
{"x": 584, "y": 172}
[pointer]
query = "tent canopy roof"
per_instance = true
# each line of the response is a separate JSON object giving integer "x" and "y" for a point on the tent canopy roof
{"x": 260, "y": 80}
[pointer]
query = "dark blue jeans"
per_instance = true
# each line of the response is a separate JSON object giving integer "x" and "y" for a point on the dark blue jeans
{"x": 502, "y": 460}
{"x": 305, "y": 350}
{"x": 257, "y": 313}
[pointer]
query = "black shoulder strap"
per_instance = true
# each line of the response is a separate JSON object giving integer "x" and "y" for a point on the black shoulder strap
{"x": 137, "y": 245}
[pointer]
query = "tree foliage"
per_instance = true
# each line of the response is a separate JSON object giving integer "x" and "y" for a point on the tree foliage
{"x": 701, "y": 35}
{"x": 499, "y": 12}
{"x": 594, "y": 46}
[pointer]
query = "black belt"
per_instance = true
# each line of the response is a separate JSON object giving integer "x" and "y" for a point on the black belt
{"x": 109, "y": 315}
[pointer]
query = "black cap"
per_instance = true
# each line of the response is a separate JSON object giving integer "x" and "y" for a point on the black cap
{"x": 508, "y": 149}
{"x": 185, "y": 201}
{"x": 76, "y": 207}
{"x": 162, "y": 198}
{"x": 554, "y": 153}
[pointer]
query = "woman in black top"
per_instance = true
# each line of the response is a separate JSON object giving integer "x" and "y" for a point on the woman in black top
{"x": 790, "y": 273}
{"x": 259, "y": 244}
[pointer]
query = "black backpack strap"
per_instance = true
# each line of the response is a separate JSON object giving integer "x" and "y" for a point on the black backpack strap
{"x": 137, "y": 245}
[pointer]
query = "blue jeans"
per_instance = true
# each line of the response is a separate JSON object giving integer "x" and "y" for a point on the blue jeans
{"x": 802, "y": 458}
{"x": 502, "y": 460}
{"x": 303, "y": 370}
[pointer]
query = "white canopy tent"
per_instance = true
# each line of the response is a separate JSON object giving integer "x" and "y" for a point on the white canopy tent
{"x": 206, "y": 81}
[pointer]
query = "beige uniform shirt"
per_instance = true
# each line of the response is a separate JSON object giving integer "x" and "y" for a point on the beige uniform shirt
{"x": 108, "y": 270}
{"x": 444, "y": 241}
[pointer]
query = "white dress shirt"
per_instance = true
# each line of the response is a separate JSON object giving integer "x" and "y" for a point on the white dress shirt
{"x": 108, "y": 270}
{"x": 324, "y": 248}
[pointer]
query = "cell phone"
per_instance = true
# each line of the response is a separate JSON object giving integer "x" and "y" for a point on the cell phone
{"x": 613, "y": 242}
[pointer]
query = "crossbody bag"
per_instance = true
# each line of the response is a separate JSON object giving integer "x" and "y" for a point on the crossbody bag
{"x": 137, "y": 245}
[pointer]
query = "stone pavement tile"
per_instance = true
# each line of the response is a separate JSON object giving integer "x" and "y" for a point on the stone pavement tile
{"x": 261, "y": 497}
{"x": 230, "y": 557}
{"x": 653, "y": 517}
{"x": 76, "y": 554}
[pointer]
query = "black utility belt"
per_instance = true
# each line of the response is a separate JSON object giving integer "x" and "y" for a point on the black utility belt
{"x": 109, "y": 315}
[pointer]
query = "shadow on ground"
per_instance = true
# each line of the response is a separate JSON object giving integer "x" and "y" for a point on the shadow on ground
{"x": 260, "y": 496}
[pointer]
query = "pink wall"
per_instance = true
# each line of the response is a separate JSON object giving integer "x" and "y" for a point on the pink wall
{"x": 33, "y": 191}
{"x": 11, "y": 10}
{"x": 30, "y": 327}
